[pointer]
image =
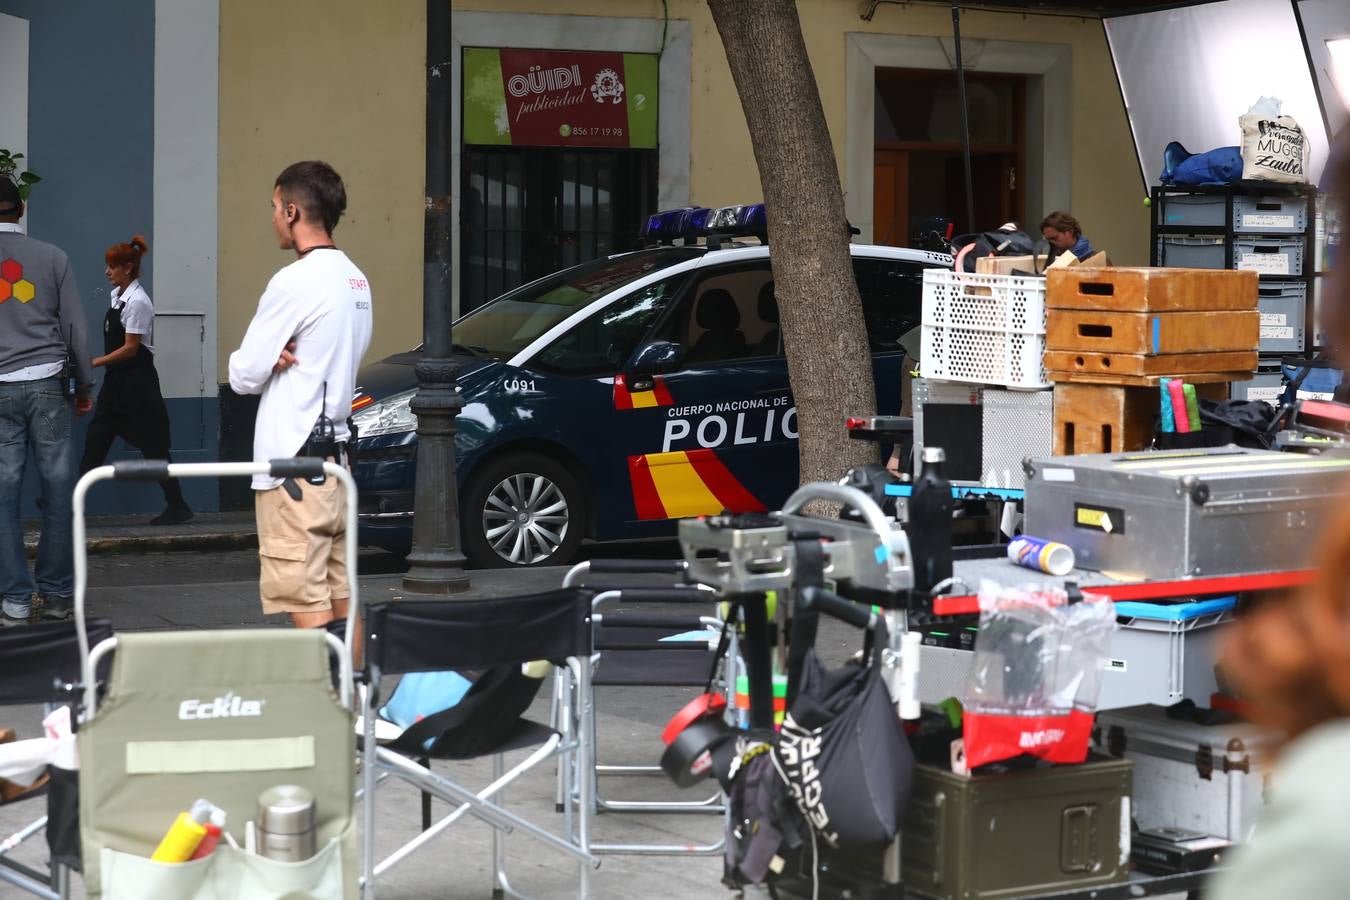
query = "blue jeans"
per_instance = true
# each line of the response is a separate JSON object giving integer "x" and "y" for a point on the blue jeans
{"x": 36, "y": 414}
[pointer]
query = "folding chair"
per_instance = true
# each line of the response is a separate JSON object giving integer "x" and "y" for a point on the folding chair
{"x": 41, "y": 666}
{"x": 629, "y": 652}
{"x": 223, "y": 715}
{"x": 429, "y": 636}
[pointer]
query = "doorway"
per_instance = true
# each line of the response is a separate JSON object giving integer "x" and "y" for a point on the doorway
{"x": 529, "y": 211}
{"x": 918, "y": 177}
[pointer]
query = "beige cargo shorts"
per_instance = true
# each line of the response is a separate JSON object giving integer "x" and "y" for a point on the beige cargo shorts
{"x": 302, "y": 547}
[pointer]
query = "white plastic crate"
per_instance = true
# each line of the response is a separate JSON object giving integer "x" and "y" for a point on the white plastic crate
{"x": 984, "y": 329}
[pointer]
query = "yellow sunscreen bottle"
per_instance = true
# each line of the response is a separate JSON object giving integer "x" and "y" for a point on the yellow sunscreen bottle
{"x": 182, "y": 838}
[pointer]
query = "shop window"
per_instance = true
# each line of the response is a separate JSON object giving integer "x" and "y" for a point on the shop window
{"x": 527, "y": 212}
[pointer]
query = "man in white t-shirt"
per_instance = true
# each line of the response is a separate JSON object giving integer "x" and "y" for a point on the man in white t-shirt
{"x": 301, "y": 353}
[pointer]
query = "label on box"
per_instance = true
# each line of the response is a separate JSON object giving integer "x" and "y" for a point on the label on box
{"x": 1271, "y": 332}
{"x": 1057, "y": 474}
{"x": 1276, "y": 263}
{"x": 1126, "y": 830}
{"x": 1117, "y": 665}
{"x": 1274, "y": 319}
{"x": 1266, "y": 220}
{"x": 1270, "y": 395}
{"x": 1108, "y": 520}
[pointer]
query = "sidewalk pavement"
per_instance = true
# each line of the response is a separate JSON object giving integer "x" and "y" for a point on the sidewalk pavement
{"x": 458, "y": 865}
{"x": 122, "y": 534}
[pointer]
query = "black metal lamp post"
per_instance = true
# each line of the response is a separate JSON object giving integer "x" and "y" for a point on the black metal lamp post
{"x": 436, "y": 563}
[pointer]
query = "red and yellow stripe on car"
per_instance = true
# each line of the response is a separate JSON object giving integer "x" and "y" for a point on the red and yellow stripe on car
{"x": 684, "y": 483}
{"x": 657, "y": 395}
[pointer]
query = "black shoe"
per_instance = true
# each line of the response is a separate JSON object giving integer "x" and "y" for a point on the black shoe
{"x": 58, "y": 608}
{"x": 174, "y": 515}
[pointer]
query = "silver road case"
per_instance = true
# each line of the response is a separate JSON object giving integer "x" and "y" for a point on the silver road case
{"x": 1223, "y": 511}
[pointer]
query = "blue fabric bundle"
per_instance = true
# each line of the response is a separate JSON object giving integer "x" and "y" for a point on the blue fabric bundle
{"x": 1220, "y": 166}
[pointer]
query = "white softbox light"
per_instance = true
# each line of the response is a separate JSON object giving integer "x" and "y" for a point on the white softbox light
{"x": 1186, "y": 74}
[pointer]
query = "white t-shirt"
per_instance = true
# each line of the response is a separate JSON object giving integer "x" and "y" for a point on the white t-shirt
{"x": 322, "y": 302}
{"x": 138, "y": 315}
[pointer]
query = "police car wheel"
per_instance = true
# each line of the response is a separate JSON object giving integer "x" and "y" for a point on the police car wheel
{"x": 522, "y": 510}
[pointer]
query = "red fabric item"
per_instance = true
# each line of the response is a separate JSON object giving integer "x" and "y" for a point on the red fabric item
{"x": 1059, "y": 739}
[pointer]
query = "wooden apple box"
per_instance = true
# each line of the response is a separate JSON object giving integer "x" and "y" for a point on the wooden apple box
{"x": 1104, "y": 418}
{"x": 1131, "y": 326}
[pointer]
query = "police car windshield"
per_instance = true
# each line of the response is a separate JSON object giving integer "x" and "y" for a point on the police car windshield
{"x": 505, "y": 326}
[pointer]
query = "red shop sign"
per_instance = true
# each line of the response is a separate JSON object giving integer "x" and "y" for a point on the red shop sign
{"x": 561, "y": 98}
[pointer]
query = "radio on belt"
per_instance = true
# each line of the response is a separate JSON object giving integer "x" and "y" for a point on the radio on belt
{"x": 1222, "y": 511}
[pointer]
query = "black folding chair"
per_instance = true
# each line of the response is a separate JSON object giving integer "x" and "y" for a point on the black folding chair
{"x": 437, "y": 635}
{"x": 629, "y": 652}
{"x": 42, "y": 666}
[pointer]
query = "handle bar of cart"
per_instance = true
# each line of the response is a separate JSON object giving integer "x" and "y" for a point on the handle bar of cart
{"x": 157, "y": 470}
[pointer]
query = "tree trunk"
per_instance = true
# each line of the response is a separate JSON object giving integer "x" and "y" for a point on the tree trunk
{"x": 824, "y": 335}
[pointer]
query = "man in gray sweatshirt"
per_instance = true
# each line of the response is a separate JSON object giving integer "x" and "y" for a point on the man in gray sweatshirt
{"x": 42, "y": 325}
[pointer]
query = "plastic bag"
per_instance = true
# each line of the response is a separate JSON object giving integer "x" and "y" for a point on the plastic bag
{"x": 1037, "y": 674}
{"x": 1266, "y": 106}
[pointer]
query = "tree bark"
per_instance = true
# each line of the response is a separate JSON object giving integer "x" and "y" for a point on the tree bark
{"x": 824, "y": 335}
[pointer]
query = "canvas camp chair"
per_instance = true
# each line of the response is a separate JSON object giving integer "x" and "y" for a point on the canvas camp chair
{"x": 41, "y": 665}
{"x": 496, "y": 634}
{"x": 632, "y": 649}
{"x": 222, "y": 715}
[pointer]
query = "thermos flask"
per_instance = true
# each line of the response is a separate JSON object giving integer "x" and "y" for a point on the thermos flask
{"x": 286, "y": 823}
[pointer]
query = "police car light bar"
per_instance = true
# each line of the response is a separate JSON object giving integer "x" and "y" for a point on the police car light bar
{"x": 692, "y": 222}
{"x": 664, "y": 227}
{"x": 747, "y": 219}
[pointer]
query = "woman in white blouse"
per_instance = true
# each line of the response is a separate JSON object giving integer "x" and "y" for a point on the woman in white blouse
{"x": 130, "y": 404}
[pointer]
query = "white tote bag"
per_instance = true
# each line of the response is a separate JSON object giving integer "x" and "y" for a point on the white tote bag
{"x": 1274, "y": 148}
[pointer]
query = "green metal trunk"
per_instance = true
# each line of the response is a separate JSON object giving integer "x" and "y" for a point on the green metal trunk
{"x": 1019, "y": 833}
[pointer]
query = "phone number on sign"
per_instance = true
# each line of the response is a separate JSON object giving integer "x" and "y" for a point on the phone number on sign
{"x": 587, "y": 131}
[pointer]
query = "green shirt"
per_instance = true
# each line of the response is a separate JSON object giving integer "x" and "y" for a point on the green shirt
{"x": 1300, "y": 848}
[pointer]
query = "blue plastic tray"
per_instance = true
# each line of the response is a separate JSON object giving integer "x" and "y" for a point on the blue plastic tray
{"x": 1174, "y": 612}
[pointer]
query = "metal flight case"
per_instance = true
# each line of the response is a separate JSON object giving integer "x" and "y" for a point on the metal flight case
{"x": 1186, "y": 513}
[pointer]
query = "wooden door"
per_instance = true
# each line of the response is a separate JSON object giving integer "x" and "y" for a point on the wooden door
{"x": 890, "y": 198}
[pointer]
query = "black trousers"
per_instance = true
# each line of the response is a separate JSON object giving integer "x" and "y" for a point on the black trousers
{"x": 132, "y": 408}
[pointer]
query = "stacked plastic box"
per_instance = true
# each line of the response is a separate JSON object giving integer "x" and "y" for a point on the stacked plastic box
{"x": 1259, "y": 226}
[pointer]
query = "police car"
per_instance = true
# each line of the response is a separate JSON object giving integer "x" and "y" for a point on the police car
{"x": 607, "y": 400}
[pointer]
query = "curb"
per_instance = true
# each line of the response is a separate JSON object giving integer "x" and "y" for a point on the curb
{"x": 168, "y": 543}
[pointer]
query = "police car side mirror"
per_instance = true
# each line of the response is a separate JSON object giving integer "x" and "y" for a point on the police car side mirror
{"x": 656, "y": 357}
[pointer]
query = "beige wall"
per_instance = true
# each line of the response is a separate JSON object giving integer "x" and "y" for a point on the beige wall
{"x": 1107, "y": 193}
{"x": 363, "y": 111}
{"x": 337, "y": 80}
